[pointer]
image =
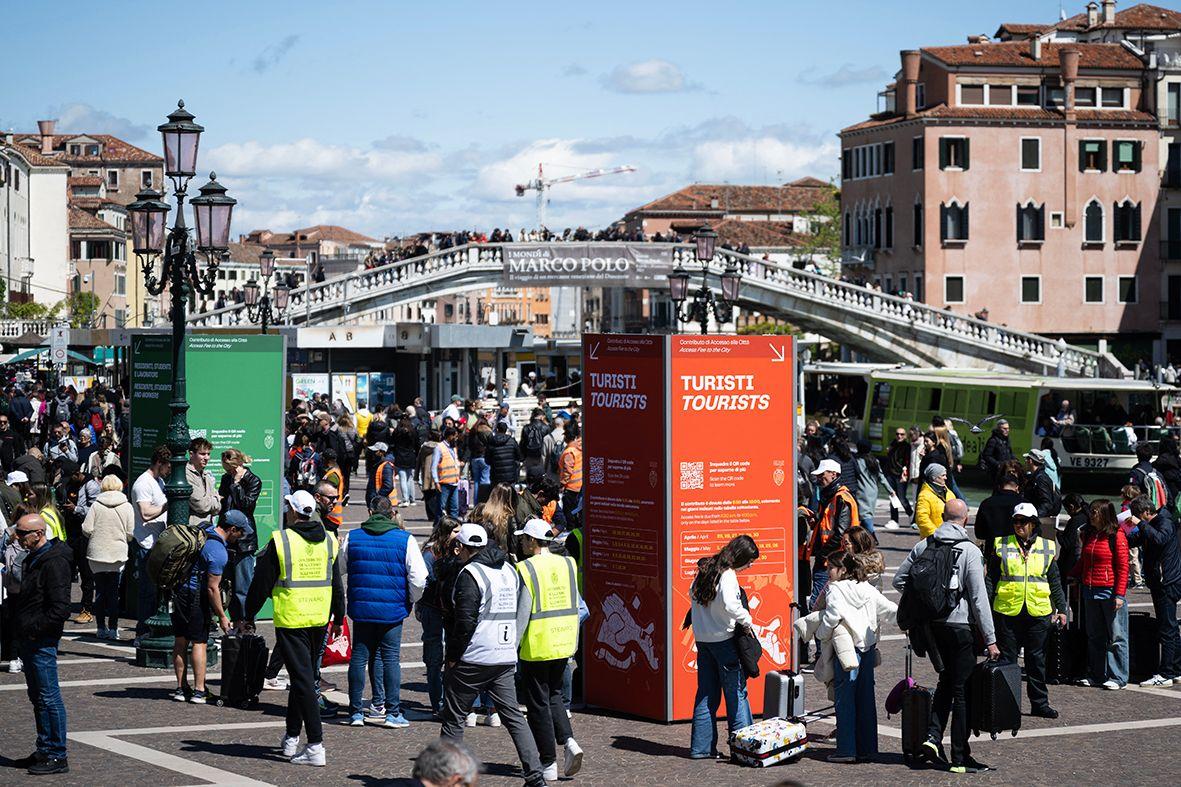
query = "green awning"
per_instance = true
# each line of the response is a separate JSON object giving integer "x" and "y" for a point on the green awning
{"x": 82, "y": 358}
{"x": 26, "y": 355}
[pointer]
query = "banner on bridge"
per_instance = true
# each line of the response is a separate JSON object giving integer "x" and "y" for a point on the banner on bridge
{"x": 586, "y": 265}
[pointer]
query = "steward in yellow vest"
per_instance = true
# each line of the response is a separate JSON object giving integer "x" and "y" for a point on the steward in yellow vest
{"x": 1027, "y": 600}
{"x": 300, "y": 572}
{"x": 551, "y": 637}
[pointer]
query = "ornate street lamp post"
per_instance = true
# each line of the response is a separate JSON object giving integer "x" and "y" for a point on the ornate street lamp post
{"x": 179, "y": 274}
{"x": 259, "y": 306}
{"x": 705, "y": 241}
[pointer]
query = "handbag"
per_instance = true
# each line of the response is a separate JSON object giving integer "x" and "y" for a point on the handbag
{"x": 750, "y": 650}
{"x": 339, "y": 650}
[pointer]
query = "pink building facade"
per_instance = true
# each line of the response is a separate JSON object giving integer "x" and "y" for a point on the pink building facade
{"x": 1016, "y": 179}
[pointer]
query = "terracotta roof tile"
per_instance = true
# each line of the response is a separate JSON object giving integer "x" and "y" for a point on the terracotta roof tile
{"x": 334, "y": 233}
{"x": 81, "y": 220}
{"x": 113, "y": 149}
{"x": 757, "y": 234}
{"x": 1026, "y": 114}
{"x": 808, "y": 182}
{"x": 1019, "y": 29}
{"x": 84, "y": 180}
{"x": 32, "y": 157}
{"x": 1138, "y": 17}
{"x": 1016, "y": 53}
{"x": 699, "y": 198}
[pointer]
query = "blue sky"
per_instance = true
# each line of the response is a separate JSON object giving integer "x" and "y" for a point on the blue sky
{"x": 398, "y": 117}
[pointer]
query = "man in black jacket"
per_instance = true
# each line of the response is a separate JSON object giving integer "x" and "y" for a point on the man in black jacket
{"x": 1162, "y": 570}
{"x": 42, "y": 607}
{"x": 503, "y": 456}
{"x": 489, "y": 617}
{"x": 997, "y": 450}
{"x": 328, "y": 437}
{"x": 1039, "y": 487}
{"x": 995, "y": 515}
{"x": 533, "y": 445}
{"x": 896, "y": 468}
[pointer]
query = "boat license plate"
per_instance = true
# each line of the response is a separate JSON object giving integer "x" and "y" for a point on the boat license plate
{"x": 1089, "y": 461}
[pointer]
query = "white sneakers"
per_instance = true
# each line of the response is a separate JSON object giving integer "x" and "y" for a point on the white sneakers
{"x": 1111, "y": 685}
{"x": 470, "y": 721}
{"x": 572, "y": 763}
{"x": 16, "y": 665}
{"x": 290, "y": 746}
{"x": 891, "y": 525}
{"x": 492, "y": 720}
{"x": 550, "y": 772}
{"x": 274, "y": 684}
{"x": 1157, "y": 680}
{"x": 312, "y": 754}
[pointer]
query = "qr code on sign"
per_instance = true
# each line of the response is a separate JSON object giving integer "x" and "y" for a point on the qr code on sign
{"x": 596, "y": 470}
{"x": 692, "y": 475}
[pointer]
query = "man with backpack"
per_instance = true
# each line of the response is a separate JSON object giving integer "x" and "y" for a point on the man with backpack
{"x": 1162, "y": 567}
{"x": 533, "y": 446}
{"x": 196, "y": 601}
{"x": 1143, "y": 473}
{"x": 944, "y": 597}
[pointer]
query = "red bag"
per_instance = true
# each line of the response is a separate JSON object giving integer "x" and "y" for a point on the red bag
{"x": 339, "y": 649}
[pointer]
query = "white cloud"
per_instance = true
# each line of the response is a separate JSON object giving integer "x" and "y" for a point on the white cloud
{"x": 83, "y": 118}
{"x": 311, "y": 158}
{"x": 272, "y": 54}
{"x": 752, "y": 159}
{"x": 847, "y": 74}
{"x": 648, "y": 76}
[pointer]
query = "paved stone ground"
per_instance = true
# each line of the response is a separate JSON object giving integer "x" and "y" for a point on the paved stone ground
{"x": 124, "y": 731}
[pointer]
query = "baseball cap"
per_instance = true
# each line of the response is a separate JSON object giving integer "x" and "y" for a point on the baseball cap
{"x": 1037, "y": 455}
{"x": 302, "y": 502}
{"x": 236, "y": 518}
{"x": 472, "y": 535}
{"x": 17, "y": 477}
{"x": 827, "y": 466}
{"x": 1025, "y": 510}
{"x": 379, "y": 446}
{"x": 536, "y": 528}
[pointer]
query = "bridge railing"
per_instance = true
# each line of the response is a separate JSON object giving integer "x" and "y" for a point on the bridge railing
{"x": 484, "y": 260}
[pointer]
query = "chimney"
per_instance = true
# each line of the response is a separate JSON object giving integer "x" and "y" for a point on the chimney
{"x": 1035, "y": 48}
{"x": 46, "y": 129}
{"x": 1092, "y": 14}
{"x": 1068, "y": 62}
{"x": 1109, "y": 12}
{"x": 910, "y": 79}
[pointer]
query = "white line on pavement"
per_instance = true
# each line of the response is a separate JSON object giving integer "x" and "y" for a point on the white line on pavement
{"x": 166, "y": 677}
{"x": 1045, "y": 732}
{"x": 188, "y": 768}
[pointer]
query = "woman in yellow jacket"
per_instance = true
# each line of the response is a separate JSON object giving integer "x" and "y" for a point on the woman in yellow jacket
{"x": 933, "y": 497}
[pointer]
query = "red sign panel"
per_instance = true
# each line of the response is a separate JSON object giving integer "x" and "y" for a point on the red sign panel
{"x": 625, "y": 651}
{"x": 732, "y": 473}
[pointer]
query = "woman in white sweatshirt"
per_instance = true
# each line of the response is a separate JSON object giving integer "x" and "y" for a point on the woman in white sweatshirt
{"x": 717, "y": 609}
{"x": 110, "y": 525}
{"x": 861, "y": 607}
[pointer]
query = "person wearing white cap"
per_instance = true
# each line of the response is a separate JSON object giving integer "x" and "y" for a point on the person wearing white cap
{"x": 1027, "y": 600}
{"x": 490, "y": 613}
{"x": 299, "y": 571}
{"x": 838, "y": 512}
{"x": 551, "y": 584}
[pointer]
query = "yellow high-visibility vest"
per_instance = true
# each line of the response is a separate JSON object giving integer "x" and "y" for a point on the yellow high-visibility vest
{"x": 553, "y": 617}
{"x": 1024, "y": 581}
{"x": 303, "y": 594}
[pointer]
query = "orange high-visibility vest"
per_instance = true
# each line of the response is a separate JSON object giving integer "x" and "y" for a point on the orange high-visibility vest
{"x": 570, "y": 467}
{"x": 448, "y": 466}
{"x": 336, "y": 478}
{"x": 823, "y": 531}
{"x": 393, "y": 495}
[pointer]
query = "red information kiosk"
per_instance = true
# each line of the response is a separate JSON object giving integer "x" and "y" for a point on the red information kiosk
{"x": 688, "y": 442}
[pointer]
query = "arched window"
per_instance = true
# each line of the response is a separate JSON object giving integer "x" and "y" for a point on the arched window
{"x": 1093, "y": 222}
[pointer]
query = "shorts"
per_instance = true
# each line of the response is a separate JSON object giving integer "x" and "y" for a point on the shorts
{"x": 190, "y": 614}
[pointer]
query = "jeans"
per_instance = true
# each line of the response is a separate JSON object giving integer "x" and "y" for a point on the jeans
{"x": 448, "y": 500}
{"x": 857, "y": 715}
{"x": 406, "y": 484}
{"x": 819, "y": 585}
{"x": 242, "y": 576}
{"x": 432, "y": 652}
{"x": 40, "y": 660}
{"x": 1170, "y": 639}
{"x": 1107, "y": 637}
{"x": 542, "y": 683}
{"x": 898, "y": 487}
{"x": 957, "y": 648}
{"x": 383, "y": 643}
{"x": 106, "y": 599}
{"x": 299, "y": 647}
{"x": 719, "y": 673}
{"x": 1023, "y": 630}
{"x": 481, "y": 474}
{"x": 147, "y": 591}
{"x": 955, "y": 488}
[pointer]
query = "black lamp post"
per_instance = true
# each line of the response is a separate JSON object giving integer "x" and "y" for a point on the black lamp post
{"x": 179, "y": 274}
{"x": 705, "y": 240}
{"x": 259, "y": 306}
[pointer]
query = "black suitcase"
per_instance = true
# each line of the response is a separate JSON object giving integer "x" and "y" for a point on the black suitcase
{"x": 916, "y": 718}
{"x": 1066, "y": 655}
{"x": 1143, "y": 646}
{"x": 243, "y": 667}
{"x": 994, "y": 698}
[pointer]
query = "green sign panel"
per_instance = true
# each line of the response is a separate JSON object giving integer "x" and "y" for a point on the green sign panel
{"x": 235, "y": 388}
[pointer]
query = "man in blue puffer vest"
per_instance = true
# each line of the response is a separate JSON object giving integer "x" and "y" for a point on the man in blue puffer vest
{"x": 386, "y": 576}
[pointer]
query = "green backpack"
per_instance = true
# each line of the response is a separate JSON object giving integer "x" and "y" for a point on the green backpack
{"x": 172, "y": 557}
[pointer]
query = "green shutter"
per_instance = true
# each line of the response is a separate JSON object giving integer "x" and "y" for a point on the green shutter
{"x": 1103, "y": 156}
{"x": 964, "y": 214}
{"x": 1136, "y": 154}
{"x": 942, "y": 220}
{"x": 1019, "y": 236}
{"x": 966, "y": 158}
{"x": 942, "y": 153}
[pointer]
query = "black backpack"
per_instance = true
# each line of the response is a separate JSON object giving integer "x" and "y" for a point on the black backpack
{"x": 534, "y": 439}
{"x": 928, "y": 595}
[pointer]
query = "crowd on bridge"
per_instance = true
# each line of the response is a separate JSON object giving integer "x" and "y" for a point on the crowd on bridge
{"x": 497, "y": 586}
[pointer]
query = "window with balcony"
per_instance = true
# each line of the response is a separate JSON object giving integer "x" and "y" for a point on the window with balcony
{"x": 1093, "y": 289}
{"x": 1092, "y": 155}
{"x": 953, "y": 289}
{"x": 1093, "y": 222}
{"x": 1112, "y": 97}
{"x": 1127, "y": 289}
{"x": 1085, "y": 97}
{"x": 1126, "y": 155}
{"x": 916, "y": 153}
{"x": 1031, "y": 289}
{"x": 1029, "y": 96}
{"x": 953, "y": 153}
{"x": 953, "y": 223}
{"x": 1127, "y": 222}
{"x": 1031, "y": 223}
{"x": 1031, "y": 154}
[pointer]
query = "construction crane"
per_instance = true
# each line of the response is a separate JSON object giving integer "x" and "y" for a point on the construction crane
{"x": 541, "y": 184}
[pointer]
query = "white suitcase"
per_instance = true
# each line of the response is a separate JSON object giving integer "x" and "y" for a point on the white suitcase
{"x": 768, "y": 742}
{"x": 783, "y": 695}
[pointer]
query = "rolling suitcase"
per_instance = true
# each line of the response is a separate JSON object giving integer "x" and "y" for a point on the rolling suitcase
{"x": 243, "y": 667}
{"x": 916, "y": 716}
{"x": 994, "y": 698}
{"x": 1143, "y": 647}
{"x": 1066, "y": 655}
{"x": 783, "y": 695}
{"x": 768, "y": 742}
